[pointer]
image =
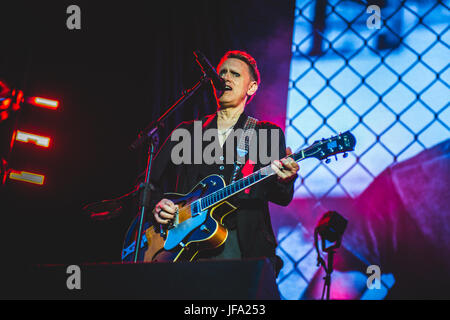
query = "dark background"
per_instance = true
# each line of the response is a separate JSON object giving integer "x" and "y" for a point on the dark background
{"x": 127, "y": 64}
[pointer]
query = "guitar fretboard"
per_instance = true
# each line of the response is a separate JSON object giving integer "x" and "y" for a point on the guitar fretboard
{"x": 320, "y": 150}
{"x": 241, "y": 184}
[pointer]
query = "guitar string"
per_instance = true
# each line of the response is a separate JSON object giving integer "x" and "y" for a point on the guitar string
{"x": 230, "y": 187}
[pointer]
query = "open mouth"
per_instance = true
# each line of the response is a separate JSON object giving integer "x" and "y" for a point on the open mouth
{"x": 228, "y": 88}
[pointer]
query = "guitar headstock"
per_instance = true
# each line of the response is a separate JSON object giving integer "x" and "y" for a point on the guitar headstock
{"x": 324, "y": 148}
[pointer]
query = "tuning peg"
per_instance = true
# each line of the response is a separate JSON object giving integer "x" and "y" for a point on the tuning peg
{"x": 328, "y": 161}
{"x": 345, "y": 155}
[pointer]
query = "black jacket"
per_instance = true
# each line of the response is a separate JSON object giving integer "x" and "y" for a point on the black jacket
{"x": 252, "y": 219}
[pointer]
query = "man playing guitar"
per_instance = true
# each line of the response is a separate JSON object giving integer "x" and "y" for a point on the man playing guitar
{"x": 249, "y": 228}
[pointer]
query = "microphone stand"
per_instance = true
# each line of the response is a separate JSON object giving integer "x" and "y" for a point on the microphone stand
{"x": 150, "y": 135}
{"x": 328, "y": 270}
{"x": 329, "y": 266}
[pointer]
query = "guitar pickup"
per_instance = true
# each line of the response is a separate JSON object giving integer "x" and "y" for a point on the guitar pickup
{"x": 195, "y": 209}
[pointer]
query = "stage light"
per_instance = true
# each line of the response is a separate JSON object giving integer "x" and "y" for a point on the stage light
{"x": 4, "y": 89}
{"x": 9, "y": 101}
{"x": 4, "y": 103}
{"x": 27, "y": 177}
{"x": 32, "y": 138}
{"x": 330, "y": 228}
{"x": 4, "y": 115}
{"x": 12, "y": 100}
{"x": 19, "y": 100}
{"x": 43, "y": 102}
{"x": 13, "y": 138}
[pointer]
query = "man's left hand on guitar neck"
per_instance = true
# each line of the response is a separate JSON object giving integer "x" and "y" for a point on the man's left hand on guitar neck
{"x": 286, "y": 168}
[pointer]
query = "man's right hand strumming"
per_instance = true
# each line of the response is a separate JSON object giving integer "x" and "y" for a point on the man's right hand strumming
{"x": 164, "y": 211}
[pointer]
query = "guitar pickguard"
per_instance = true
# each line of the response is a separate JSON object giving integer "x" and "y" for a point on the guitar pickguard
{"x": 176, "y": 236}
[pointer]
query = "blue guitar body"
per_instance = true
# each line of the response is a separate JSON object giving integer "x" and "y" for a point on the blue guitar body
{"x": 193, "y": 229}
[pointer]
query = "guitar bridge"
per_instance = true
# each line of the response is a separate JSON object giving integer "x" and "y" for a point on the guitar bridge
{"x": 162, "y": 231}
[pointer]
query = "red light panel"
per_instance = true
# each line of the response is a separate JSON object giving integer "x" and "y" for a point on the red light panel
{"x": 27, "y": 177}
{"x": 32, "y": 138}
{"x": 45, "y": 103}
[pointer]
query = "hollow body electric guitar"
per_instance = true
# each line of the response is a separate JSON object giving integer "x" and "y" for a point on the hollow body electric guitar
{"x": 197, "y": 225}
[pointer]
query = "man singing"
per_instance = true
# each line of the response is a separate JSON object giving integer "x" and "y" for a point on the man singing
{"x": 250, "y": 231}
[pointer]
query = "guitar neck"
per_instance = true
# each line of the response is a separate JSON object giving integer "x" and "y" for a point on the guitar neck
{"x": 320, "y": 149}
{"x": 241, "y": 184}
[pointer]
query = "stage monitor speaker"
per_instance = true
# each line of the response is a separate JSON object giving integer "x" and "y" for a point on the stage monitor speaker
{"x": 252, "y": 279}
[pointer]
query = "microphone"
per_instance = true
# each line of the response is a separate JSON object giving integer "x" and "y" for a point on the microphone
{"x": 209, "y": 70}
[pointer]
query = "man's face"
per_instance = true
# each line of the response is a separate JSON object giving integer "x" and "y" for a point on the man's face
{"x": 239, "y": 83}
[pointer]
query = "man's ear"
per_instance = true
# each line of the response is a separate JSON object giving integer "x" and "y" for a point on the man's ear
{"x": 252, "y": 88}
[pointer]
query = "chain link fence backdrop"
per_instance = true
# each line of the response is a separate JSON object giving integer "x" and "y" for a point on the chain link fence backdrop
{"x": 387, "y": 83}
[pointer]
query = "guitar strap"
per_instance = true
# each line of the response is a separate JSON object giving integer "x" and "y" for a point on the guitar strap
{"x": 243, "y": 145}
